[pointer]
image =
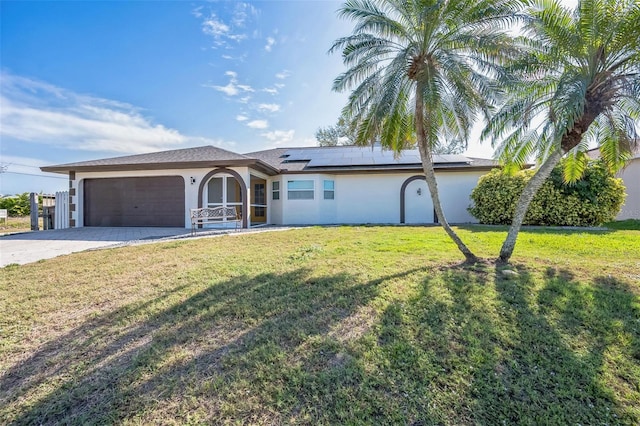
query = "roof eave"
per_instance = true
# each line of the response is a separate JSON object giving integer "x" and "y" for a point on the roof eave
{"x": 355, "y": 169}
{"x": 258, "y": 164}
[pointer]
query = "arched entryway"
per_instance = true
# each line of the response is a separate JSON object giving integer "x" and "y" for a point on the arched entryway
{"x": 224, "y": 187}
{"x": 416, "y": 205}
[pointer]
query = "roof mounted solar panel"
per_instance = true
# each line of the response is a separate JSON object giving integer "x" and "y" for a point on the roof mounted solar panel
{"x": 364, "y": 156}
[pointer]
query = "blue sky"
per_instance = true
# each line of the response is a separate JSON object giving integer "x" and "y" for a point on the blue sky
{"x": 87, "y": 80}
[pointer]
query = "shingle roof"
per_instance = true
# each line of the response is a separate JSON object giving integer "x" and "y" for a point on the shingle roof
{"x": 203, "y": 156}
{"x": 272, "y": 157}
{"x": 201, "y": 153}
{"x": 273, "y": 161}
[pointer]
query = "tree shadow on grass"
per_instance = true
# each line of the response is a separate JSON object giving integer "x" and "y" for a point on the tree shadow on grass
{"x": 550, "y": 369}
{"x": 251, "y": 349}
{"x": 474, "y": 349}
{"x": 463, "y": 348}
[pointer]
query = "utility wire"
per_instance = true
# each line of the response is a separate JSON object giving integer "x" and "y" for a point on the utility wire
{"x": 18, "y": 164}
{"x": 32, "y": 174}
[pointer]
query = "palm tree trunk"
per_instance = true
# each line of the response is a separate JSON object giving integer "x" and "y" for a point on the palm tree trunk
{"x": 430, "y": 176}
{"x": 530, "y": 190}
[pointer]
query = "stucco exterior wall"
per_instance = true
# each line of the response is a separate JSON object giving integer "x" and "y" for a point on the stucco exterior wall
{"x": 191, "y": 189}
{"x": 358, "y": 198}
{"x": 631, "y": 177}
{"x": 375, "y": 198}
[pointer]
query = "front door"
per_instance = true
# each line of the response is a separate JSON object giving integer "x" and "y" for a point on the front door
{"x": 258, "y": 201}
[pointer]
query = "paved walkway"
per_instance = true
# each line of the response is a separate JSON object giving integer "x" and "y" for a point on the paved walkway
{"x": 33, "y": 246}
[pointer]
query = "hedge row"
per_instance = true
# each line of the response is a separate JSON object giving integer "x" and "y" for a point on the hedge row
{"x": 591, "y": 201}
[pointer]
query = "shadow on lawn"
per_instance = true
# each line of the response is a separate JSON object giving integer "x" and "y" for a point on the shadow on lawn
{"x": 235, "y": 350}
{"x": 551, "y": 368}
{"x": 291, "y": 348}
{"x": 520, "y": 359}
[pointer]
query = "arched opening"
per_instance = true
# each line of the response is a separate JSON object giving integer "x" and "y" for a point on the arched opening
{"x": 416, "y": 205}
{"x": 226, "y": 188}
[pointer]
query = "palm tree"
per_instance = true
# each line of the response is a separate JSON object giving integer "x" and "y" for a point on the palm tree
{"x": 576, "y": 85}
{"x": 418, "y": 73}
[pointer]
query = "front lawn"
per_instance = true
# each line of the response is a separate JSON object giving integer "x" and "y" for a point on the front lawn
{"x": 341, "y": 325}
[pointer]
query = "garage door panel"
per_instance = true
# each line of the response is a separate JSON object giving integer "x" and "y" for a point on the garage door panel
{"x": 140, "y": 201}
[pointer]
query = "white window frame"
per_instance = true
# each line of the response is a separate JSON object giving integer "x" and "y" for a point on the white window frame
{"x": 300, "y": 190}
{"x": 332, "y": 190}
{"x": 275, "y": 192}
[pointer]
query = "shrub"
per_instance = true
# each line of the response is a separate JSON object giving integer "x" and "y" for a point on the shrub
{"x": 593, "y": 200}
{"x": 17, "y": 205}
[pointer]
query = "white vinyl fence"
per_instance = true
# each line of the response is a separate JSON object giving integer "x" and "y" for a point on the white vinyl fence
{"x": 62, "y": 210}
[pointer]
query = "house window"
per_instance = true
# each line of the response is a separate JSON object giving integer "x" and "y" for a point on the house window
{"x": 275, "y": 190}
{"x": 329, "y": 190}
{"x": 300, "y": 190}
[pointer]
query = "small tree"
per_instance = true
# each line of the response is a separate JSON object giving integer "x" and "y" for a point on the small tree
{"x": 576, "y": 85}
{"x": 416, "y": 71}
{"x": 17, "y": 205}
{"x": 342, "y": 133}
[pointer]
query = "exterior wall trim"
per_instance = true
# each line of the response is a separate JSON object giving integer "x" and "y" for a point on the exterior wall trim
{"x": 243, "y": 191}
{"x": 403, "y": 189}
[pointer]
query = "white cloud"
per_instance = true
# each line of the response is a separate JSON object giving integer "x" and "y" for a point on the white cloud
{"x": 283, "y": 74}
{"x": 197, "y": 12}
{"x": 279, "y": 137}
{"x": 245, "y": 88}
{"x": 270, "y": 43}
{"x": 270, "y": 90}
{"x": 239, "y": 58}
{"x": 34, "y": 111}
{"x": 241, "y": 117}
{"x": 269, "y": 107}
{"x": 230, "y": 30}
{"x": 215, "y": 27}
{"x": 232, "y": 88}
{"x": 244, "y": 100}
{"x": 243, "y": 12}
{"x": 258, "y": 124}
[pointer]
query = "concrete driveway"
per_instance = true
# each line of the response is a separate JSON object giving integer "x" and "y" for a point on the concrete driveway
{"x": 33, "y": 246}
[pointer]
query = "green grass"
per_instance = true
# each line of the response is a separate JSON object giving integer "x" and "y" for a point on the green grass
{"x": 344, "y": 325}
{"x": 629, "y": 224}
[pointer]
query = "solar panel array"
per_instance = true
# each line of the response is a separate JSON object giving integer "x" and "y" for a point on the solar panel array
{"x": 364, "y": 156}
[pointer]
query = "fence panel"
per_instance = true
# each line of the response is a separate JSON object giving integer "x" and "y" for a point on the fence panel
{"x": 62, "y": 210}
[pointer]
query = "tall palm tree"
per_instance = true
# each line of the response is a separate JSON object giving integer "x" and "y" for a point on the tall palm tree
{"x": 418, "y": 73}
{"x": 576, "y": 85}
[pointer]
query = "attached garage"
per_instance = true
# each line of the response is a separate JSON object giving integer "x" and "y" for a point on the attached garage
{"x": 135, "y": 201}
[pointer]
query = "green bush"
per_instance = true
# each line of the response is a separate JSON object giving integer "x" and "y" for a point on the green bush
{"x": 17, "y": 205}
{"x": 593, "y": 200}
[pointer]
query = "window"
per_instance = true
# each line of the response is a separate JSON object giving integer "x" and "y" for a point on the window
{"x": 300, "y": 190}
{"x": 329, "y": 190}
{"x": 275, "y": 190}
